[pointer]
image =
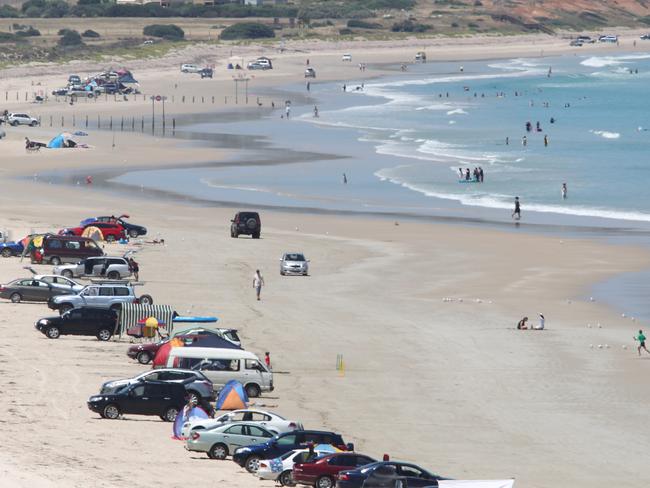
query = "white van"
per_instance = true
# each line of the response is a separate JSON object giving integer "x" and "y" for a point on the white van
{"x": 223, "y": 365}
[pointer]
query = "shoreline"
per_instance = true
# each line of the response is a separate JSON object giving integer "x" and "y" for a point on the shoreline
{"x": 499, "y": 402}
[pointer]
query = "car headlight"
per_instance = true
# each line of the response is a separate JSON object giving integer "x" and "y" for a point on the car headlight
{"x": 96, "y": 399}
{"x": 240, "y": 450}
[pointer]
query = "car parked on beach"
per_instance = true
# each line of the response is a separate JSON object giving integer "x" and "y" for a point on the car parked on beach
{"x": 29, "y": 290}
{"x": 56, "y": 249}
{"x": 160, "y": 398}
{"x": 269, "y": 420}
{"x": 294, "y": 263}
{"x": 80, "y": 321}
{"x": 108, "y": 295}
{"x": 190, "y": 68}
{"x": 388, "y": 473}
{"x": 346, "y": 57}
{"x": 248, "y": 223}
{"x": 645, "y": 37}
{"x": 132, "y": 230}
{"x": 111, "y": 231}
{"x": 21, "y": 119}
{"x": 11, "y": 248}
{"x": 111, "y": 267}
{"x": 146, "y": 351}
{"x": 221, "y": 440}
{"x": 323, "y": 472}
{"x": 249, "y": 457}
{"x": 70, "y": 286}
{"x": 280, "y": 469}
{"x": 196, "y": 384}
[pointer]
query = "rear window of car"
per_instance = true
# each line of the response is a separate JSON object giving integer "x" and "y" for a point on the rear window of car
{"x": 116, "y": 261}
{"x": 121, "y": 291}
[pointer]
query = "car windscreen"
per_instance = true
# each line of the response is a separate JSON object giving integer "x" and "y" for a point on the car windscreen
{"x": 114, "y": 390}
{"x": 294, "y": 257}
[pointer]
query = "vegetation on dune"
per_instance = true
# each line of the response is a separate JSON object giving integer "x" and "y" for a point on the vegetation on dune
{"x": 247, "y": 30}
{"x": 70, "y": 38}
{"x": 170, "y": 32}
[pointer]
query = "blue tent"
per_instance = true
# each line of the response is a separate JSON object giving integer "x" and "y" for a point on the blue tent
{"x": 232, "y": 396}
{"x": 57, "y": 142}
{"x": 186, "y": 415}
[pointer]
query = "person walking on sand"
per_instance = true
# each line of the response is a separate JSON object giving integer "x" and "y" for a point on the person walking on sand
{"x": 516, "y": 214}
{"x": 258, "y": 283}
{"x": 641, "y": 339}
{"x": 135, "y": 269}
{"x": 315, "y": 111}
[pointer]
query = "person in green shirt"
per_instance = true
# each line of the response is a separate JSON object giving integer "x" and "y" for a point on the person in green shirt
{"x": 641, "y": 339}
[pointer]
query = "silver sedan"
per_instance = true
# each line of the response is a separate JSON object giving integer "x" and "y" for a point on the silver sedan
{"x": 222, "y": 440}
{"x": 294, "y": 263}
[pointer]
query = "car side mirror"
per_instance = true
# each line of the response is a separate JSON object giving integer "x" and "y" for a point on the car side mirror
{"x": 350, "y": 446}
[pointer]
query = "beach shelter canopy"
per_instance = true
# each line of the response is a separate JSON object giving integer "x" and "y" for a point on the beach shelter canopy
{"x": 232, "y": 396}
{"x": 326, "y": 448}
{"x": 134, "y": 313}
{"x": 93, "y": 232}
{"x": 187, "y": 415}
{"x": 62, "y": 140}
{"x": 476, "y": 483}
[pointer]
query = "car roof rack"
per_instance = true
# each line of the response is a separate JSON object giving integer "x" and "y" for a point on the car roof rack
{"x": 98, "y": 281}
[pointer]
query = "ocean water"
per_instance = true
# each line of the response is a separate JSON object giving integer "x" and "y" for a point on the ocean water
{"x": 400, "y": 140}
{"x": 444, "y": 119}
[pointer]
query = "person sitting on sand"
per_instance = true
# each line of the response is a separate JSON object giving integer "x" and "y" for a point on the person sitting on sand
{"x": 540, "y": 326}
{"x": 522, "y": 324}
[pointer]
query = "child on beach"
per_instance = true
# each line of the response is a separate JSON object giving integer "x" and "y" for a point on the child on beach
{"x": 641, "y": 339}
{"x": 516, "y": 214}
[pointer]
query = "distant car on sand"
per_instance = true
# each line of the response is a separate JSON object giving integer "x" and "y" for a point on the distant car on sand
{"x": 294, "y": 263}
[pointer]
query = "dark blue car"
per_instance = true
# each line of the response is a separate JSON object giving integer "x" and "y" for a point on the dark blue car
{"x": 387, "y": 474}
{"x": 8, "y": 249}
{"x": 249, "y": 457}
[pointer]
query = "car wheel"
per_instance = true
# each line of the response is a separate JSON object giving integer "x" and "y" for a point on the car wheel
{"x": 67, "y": 273}
{"x": 282, "y": 273}
{"x": 133, "y": 233}
{"x": 65, "y": 307}
{"x": 218, "y": 451}
{"x": 55, "y": 260}
{"x": 15, "y": 298}
{"x": 34, "y": 123}
{"x": 170, "y": 414}
{"x": 143, "y": 357}
{"x": 324, "y": 482}
{"x": 146, "y": 300}
{"x": 6, "y": 252}
{"x": 111, "y": 411}
{"x": 253, "y": 391}
{"x": 256, "y": 235}
{"x": 104, "y": 334}
{"x": 113, "y": 275}
{"x": 110, "y": 238}
{"x": 14, "y": 123}
{"x": 286, "y": 478}
{"x": 53, "y": 333}
{"x": 252, "y": 464}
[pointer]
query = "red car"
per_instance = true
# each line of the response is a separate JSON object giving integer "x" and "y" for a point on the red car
{"x": 110, "y": 230}
{"x": 323, "y": 471}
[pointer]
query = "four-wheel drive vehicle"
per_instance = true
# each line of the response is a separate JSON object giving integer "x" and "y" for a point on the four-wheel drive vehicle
{"x": 21, "y": 119}
{"x": 246, "y": 223}
{"x": 194, "y": 382}
{"x": 221, "y": 440}
{"x": 294, "y": 263}
{"x": 132, "y": 230}
{"x": 65, "y": 249}
{"x": 150, "y": 398}
{"x": 190, "y": 68}
{"x": 108, "y": 295}
{"x": 323, "y": 471}
{"x": 222, "y": 365}
{"x": 206, "y": 73}
{"x": 387, "y": 473}
{"x": 30, "y": 289}
{"x": 80, "y": 321}
{"x": 249, "y": 457}
{"x": 113, "y": 268}
{"x": 146, "y": 351}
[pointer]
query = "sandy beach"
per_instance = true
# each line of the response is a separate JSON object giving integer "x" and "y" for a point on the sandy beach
{"x": 448, "y": 384}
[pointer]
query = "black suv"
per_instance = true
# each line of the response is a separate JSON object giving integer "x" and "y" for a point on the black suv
{"x": 84, "y": 321}
{"x": 246, "y": 223}
{"x": 150, "y": 398}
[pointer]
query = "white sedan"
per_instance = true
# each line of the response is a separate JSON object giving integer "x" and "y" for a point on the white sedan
{"x": 270, "y": 421}
{"x": 280, "y": 469}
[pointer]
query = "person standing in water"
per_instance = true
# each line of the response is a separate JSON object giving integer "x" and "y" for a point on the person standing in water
{"x": 258, "y": 283}
{"x": 545, "y": 141}
{"x": 315, "y": 111}
{"x": 516, "y": 214}
{"x": 564, "y": 191}
{"x": 345, "y": 179}
{"x": 524, "y": 141}
{"x": 460, "y": 173}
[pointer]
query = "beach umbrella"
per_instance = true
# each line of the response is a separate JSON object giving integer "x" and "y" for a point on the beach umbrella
{"x": 326, "y": 448}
